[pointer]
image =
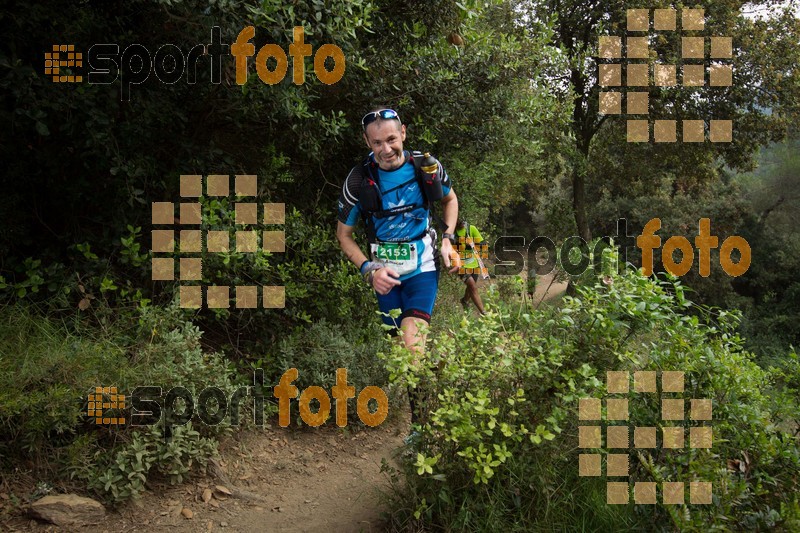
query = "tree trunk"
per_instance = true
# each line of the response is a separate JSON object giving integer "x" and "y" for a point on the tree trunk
{"x": 583, "y": 136}
{"x": 579, "y": 205}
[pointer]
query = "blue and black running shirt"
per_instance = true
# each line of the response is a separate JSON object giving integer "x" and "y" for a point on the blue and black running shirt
{"x": 399, "y": 187}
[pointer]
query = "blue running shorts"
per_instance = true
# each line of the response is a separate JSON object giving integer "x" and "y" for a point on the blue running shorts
{"x": 414, "y": 297}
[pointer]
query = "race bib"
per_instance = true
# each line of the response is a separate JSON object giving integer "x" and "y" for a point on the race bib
{"x": 399, "y": 256}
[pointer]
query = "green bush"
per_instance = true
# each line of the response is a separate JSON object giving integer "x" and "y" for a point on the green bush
{"x": 47, "y": 371}
{"x": 44, "y": 374}
{"x": 319, "y": 282}
{"x": 318, "y": 351}
{"x": 499, "y": 450}
{"x": 149, "y": 451}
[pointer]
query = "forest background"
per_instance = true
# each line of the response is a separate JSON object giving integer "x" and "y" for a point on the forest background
{"x": 506, "y": 95}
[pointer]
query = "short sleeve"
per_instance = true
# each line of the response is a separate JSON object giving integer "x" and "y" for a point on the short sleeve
{"x": 475, "y": 234}
{"x": 446, "y": 184}
{"x": 349, "y": 209}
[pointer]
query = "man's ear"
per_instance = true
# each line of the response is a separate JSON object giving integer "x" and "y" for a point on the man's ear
{"x": 366, "y": 140}
{"x": 403, "y": 132}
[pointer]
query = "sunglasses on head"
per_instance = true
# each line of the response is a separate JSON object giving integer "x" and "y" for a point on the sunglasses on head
{"x": 385, "y": 114}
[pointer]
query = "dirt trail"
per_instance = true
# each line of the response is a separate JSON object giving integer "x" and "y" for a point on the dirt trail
{"x": 545, "y": 291}
{"x": 322, "y": 480}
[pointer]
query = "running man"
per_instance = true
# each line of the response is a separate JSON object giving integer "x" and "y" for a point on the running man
{"x": 392, "y": 191}
{"x": 387, "y": 193}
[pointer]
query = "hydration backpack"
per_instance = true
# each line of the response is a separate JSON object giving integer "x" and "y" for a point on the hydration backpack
{"x": 371, "y": 198}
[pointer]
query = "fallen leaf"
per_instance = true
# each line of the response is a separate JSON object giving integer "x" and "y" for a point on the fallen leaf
{"x": 187, "y": 513}
{"x": 83, "y": 305}
{"x": 224, "y": 490}
{"x": 206, "y": 495}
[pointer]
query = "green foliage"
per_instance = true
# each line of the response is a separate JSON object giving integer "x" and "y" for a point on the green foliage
{"x": 148, "y": 454}
{"x": 43, "y": 375}
{"x": 762, "y": 101}
{"x": 499, "y": 440}
{"x": 47, "y": 372}
{"x": 131, "y": 153}
{"x": 479, "y": 85}
{"x": 319, "y": 350}
{"x": 771, "y": 285}
{"x": 489, "y": 127}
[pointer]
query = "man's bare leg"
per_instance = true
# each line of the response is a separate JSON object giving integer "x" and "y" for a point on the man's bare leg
{"x": 465, "y": 299}
{"x": 412, "y": 337}
{"x": 472, "y": 292}
{"x": 414, "y": 340}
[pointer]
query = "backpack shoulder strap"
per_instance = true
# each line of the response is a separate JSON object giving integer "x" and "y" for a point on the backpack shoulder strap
{"x": 366, "y": 172}
{"x": 416, "y": 158}
{"x": 352, "y": 186}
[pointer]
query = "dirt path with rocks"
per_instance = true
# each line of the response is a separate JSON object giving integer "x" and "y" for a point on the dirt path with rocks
{"x": 311, "y": 480}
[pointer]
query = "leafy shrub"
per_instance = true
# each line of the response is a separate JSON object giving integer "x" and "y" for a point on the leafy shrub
{"x": 318, "y": 281}
{"x": 498, "y": 447}
{"x": 318, "y": 351}
{"x": 148, "y": 450}
{"x": 46, "y": 373}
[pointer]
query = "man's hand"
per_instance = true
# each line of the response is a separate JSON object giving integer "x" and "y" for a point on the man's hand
{"x": 384, "y": 279}
{"x": 447, "y": 254}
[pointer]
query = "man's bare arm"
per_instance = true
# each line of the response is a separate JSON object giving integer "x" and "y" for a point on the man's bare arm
{"x": 450, "y": 215}
{"x": 384, "y": 279}
{"x": 450, "y": 211}
{"x": 344, "y": 234}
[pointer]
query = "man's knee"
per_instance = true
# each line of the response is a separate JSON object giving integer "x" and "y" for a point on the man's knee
{"x": 412, "y": 328}
{"x": 412, "y": 324}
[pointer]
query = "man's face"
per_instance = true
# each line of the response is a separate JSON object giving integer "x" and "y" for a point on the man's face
{"x": 385, "y": 138}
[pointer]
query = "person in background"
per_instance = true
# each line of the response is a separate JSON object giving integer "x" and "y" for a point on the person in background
{"x": 468, "y": 236}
